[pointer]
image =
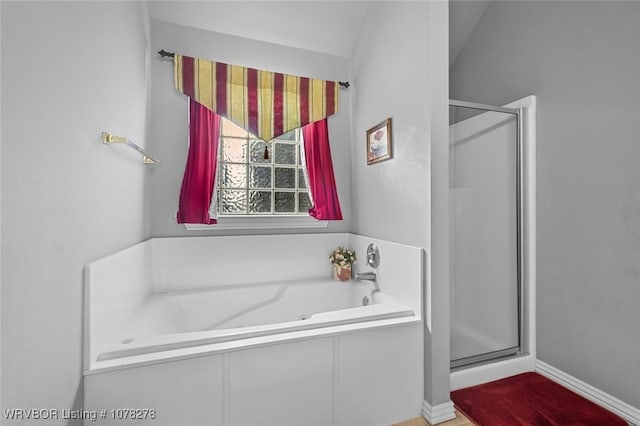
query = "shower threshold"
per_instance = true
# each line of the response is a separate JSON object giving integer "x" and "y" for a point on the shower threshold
{"x": 472, "y": 361}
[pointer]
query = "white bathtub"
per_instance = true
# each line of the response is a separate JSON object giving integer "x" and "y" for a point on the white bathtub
{"x": 210, "y": 331}
{"x": 185, "y": 318}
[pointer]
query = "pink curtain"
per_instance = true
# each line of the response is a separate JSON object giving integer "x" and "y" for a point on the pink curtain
{"x": 322, "y": 183}
{"x": 200, "y": 172}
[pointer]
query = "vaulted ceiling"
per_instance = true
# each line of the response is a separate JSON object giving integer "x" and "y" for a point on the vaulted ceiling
{"x": 463, "y": 17}
{"x": 329, "y": 27}
{"x": 323, "y": 26}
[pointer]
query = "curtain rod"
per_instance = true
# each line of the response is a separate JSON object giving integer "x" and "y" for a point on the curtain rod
{"x": 163, "y": 53}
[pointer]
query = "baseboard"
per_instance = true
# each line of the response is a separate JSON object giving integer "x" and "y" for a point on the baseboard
{"x": 628, "y": 412}
{"x": 438, "y": 413}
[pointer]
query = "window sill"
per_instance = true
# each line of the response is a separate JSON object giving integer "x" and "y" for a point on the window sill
{"x": 260, "y": 222}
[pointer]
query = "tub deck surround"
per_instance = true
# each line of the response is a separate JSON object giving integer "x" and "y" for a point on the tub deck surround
{"x": 182, "y": 319}
{"x": 253, "y": 330}
{"x": 158, "y": 295}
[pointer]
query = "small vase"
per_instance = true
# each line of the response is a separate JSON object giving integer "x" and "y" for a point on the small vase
{"x": 342, "y": 273}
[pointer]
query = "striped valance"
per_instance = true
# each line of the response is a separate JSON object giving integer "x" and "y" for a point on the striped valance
{"x": 265, "y": 103}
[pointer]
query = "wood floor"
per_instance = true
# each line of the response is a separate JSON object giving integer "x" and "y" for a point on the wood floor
{"x": 460, "y": 420}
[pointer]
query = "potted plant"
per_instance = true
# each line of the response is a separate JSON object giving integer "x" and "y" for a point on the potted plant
{"x": 342, "y": 259}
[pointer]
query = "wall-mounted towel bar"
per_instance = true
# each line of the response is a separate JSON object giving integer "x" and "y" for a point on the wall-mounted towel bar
{"x": 108, "y": 138}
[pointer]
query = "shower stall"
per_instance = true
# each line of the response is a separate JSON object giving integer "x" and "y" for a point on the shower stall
{"x": 487, "y": 239}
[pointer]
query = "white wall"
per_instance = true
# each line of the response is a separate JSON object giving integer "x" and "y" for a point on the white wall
{"x": 389, "y": 68}
{"x": 581, "y": 60}
{"x": 169, "y": 132}
{"x": 80, "y": 68}
{"x": 69, "y": 71}
{"x": 399, "y": 70}
{"x": 1, "y": 405}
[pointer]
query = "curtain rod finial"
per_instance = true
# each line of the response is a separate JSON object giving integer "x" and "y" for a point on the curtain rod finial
{"x": 164, "y": 53}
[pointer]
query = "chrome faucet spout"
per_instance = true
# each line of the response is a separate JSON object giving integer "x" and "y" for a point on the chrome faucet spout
{"x": 368, "y": 276}
{"x": 365, "y": 276}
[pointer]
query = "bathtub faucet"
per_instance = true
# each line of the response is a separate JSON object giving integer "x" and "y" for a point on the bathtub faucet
{"x": 368, "y": 276}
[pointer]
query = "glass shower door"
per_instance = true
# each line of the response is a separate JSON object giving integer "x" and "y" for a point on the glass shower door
{"x": 485, "y": 233}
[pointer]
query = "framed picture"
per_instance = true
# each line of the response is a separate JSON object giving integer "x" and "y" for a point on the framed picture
{"x": 379, "y": 142}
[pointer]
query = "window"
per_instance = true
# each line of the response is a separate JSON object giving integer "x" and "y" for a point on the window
{"x": 253, "y": 182}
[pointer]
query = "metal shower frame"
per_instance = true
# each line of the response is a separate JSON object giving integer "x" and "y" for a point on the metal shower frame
{"x": 520, "y": 243}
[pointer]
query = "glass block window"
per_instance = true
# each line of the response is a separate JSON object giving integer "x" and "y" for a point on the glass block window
{"x": 250, "y": 184}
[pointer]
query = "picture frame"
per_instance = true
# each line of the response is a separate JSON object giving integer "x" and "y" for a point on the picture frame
{"x": 380, "y": 142}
